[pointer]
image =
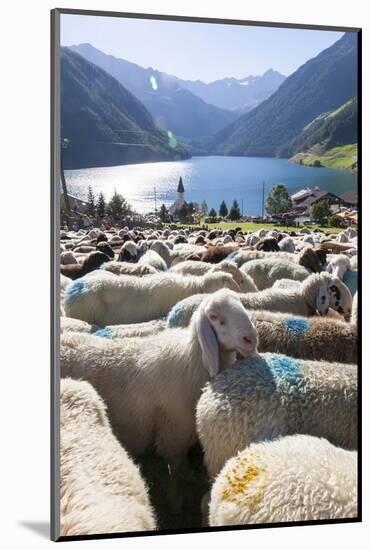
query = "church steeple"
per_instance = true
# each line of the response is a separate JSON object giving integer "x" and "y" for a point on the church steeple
{"x": 180, "y": 185}
{"x": 177, "y": 205}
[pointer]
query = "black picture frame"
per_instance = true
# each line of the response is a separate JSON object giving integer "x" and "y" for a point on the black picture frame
{"x": 55, "y": 285}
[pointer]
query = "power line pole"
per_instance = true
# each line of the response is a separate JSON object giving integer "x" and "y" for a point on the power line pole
{"x": 241, "y": 207}
{"x": 154, "y": 189}
{"x": 263, "y": 191}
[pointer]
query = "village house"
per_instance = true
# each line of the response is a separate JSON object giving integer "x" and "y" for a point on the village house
{"x": 305, "y": 198}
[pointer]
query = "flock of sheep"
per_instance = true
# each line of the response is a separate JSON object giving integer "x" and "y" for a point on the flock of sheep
{"x": 208, "y": 378}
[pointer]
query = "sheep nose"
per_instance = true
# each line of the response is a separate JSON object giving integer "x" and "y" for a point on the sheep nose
{"x": 249, "y": 341}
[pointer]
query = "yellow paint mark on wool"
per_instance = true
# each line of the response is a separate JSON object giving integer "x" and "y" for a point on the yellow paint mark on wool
{"x": 246, "y": 482}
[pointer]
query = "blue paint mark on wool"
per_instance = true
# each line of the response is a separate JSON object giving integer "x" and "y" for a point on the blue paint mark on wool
{"x": 175, "y": 316}
{"x": 285, "y": 369}
{"x": 297, "y": 326}
{"x": 232, "y": 255}
{"x": 104, "y": 332}
{"x": 74, "y": 290}
{"x": 350, "y": 279}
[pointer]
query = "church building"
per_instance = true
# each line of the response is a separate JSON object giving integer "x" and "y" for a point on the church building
{"x": 177, "y": 205}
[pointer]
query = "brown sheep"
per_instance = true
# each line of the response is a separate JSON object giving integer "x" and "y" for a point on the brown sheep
{"x": 104, "y": 247}
{"x": 216, "y": 254}
{"x": 91, "y": 262}
{"x": 312, "y": 259}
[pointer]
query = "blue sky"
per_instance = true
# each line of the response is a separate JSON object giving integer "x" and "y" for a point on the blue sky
{"x": 198, "y": 50}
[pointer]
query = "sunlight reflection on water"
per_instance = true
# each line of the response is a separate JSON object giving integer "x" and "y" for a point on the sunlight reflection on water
{"x": 211, "y": 178}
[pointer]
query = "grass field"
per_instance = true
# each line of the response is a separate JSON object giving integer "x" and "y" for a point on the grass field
{"x": 343, "y": 157}
{"x": 250, "y": 226}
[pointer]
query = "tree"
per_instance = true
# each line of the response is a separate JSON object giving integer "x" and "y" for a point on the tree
{"x": 223, "y": 210}
{"x": 204, "y": 207}
{"x": 101, "y": 206}
{"x": 320, "y": 211}
{"x": 278, "y": 200}
{"x": 91, "y": 209}
{"x": 183, "y": 213}
{"x": 186, "y": 212}
{"x": 335, "y": 221}
{"x": 234, "y": 212}
{"x": 164, "y": 213}
{"x": 212, "y": 213}
{"x": 118, "y": 207}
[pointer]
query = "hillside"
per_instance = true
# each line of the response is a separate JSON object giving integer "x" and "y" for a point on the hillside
{"x": 338, "y": 127}
{"x": 172, "y": 106}
{"x": 342, "y": 158}
{"x": 330, "y": 139}
{"x": 104, "y": 123}
{"x": 322, "y": 84}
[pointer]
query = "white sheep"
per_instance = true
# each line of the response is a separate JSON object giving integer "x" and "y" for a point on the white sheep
{"x": 342, "y": 238}
{"x": 287, "y": 245}
{"x": 178, "y": 250}
{"x": 152, "y": 258}
{"x": 271, "y": 395}
{"x": 113, "y": 331}
{"x": 68, "y": 257}
{"x": 64, "y": 282}
{"x": 67, "y": 324}
{"x": 252, "y": 240}
{"x": 243, "y": 256}
{"x": 295, "y": 478}
{"x": 351, "y": 232}
{"x": 338, "y": 265}
{"x": 128, "y": 268}
{"x": 285, "y": 284}
{"x": 190, "y": 267}
{"x": 105, "y": 300}
{"x": 102, "y": 490}
{"x": 354, "y": 262}
{"x": 267, "y": 271}
{"x": 151, "y": 384}
{"x": 354, "y": 318}
{"x": 318, "y": 293}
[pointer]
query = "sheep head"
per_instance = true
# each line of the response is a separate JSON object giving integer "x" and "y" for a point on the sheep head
{"x": 94, "y": 260}
{"x": 326, "y": 291}
{"x": 128, "y": 252}
{"x": 222, "y": 322}
{"x": 310, "y": 259}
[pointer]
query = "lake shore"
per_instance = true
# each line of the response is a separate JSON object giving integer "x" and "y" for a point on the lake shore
{"x": 337, "y": 158}
{"x": 214, "y": 179}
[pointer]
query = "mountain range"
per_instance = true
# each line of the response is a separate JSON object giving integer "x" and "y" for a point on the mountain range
{"x": 238, "y": 95}
{"x": 116, "y": 112}
{"x": 320, "y": 85}
{"x": 104, "y": 123}
{"x": 190, "y": 109}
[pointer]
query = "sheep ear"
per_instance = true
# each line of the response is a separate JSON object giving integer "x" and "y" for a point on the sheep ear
{"x": 209, "y": 344}
{"x": 323, "y": 301}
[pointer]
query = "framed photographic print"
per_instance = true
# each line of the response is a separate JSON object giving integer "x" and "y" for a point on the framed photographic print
{"x": 206, "y": 215}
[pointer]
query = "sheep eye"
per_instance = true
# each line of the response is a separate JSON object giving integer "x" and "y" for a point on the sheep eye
{"x": 213, "y": 317}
